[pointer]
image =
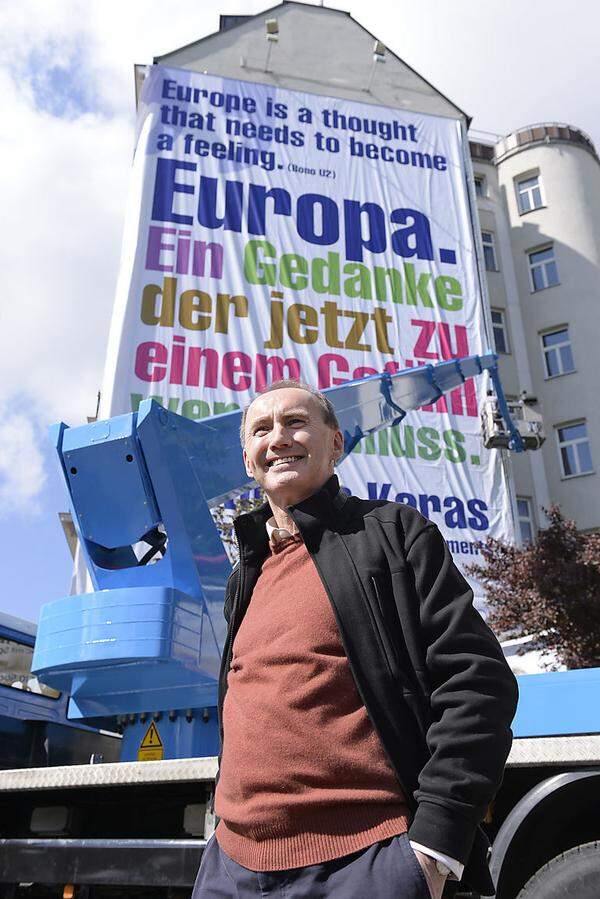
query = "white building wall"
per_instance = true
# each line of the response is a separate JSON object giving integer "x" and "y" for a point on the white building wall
{"x": 319, "y": 50}
{"x": 569, "y": 220}
{"x": 528, "y": 470}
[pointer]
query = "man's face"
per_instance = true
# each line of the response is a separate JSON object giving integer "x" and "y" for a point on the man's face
{"x": 289, "y": 449}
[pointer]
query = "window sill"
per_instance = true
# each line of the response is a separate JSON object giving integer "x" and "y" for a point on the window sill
{"x": 535, "y": 209}
{"x": 581, "y": 474}
{"x": 542, "y": 289}
{"x": 563, "y": 374}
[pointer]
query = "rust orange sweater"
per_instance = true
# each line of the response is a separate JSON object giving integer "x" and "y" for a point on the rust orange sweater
{"x": 303, "y": 777}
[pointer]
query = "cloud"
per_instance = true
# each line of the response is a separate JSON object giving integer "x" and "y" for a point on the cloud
{"x": 53, "y": 77}
{"x": 506, "y": 64}
{"x": 22, "y": 474}
{"x": 63, "y": 184}
{"x": 66, "y": 79}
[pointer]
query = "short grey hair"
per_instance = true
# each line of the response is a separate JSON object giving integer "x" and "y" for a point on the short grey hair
{"x": 329, "y": 416}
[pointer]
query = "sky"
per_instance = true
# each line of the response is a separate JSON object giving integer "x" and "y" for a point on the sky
{"x": 66, "y": 82}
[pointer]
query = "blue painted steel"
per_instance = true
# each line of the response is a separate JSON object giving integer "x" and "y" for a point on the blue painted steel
{"x": 558, "y": 703}
{"x": 370, "y": 404}
{"x": 515, "y": 443}
{"x": 149, "y": 638}
{"x": 34, "y": 728}
{"x": 132, "y": 509}
{"x": 161, "y": 641}
{"x": 183, "y": 736}
{"x": 23, "y": 704}
{"x": 18, "y": 629}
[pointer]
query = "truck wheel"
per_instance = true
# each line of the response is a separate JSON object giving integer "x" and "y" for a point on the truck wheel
{"x": 575, "y": 873}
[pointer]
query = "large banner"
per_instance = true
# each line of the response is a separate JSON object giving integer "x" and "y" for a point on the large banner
{"x": 277, "y": 234}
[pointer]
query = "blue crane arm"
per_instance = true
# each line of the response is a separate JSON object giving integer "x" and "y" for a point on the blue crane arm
{"x": 366, "y": 406}
{"x": 150, "y": 635}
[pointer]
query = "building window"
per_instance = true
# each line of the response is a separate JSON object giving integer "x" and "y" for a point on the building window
{"x": 480, "y": 188}
{"x": 529, "y": 194}
{"x": 558, "y": 357}
{"x": 15, "y": 669}
{"x": 574, "y": 448}
{"x": 542, "y": 269}
{"x": 525, "y": 519}
{"x": 489, "y": 251}
{"x": 500, "y": 332}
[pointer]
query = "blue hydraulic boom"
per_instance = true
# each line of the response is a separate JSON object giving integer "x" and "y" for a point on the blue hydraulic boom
{"x": 144, "y": 648}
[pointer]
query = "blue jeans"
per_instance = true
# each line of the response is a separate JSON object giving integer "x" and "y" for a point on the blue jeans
{"x": 386, "y": 870}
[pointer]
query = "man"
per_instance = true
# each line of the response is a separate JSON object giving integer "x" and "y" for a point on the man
{"x": 365, "y": 707}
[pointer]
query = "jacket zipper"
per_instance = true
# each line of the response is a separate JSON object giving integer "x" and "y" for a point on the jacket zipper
{"x": 381, "y": 637}
{"x": 390, "y": 652}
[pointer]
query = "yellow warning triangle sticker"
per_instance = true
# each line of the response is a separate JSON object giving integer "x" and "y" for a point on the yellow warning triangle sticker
{"x": 151, "y": 748}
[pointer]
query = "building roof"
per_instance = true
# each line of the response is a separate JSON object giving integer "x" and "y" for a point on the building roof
{"x": 229, "y": 24}
{"x": 543, "y": 133}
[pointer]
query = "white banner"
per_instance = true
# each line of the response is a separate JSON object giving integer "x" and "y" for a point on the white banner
{"x": 272, "y": 234}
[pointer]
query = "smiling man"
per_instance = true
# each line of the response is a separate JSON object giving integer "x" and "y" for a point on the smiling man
{"x": 365, "y": 707}
{"x": 291, "y": 443}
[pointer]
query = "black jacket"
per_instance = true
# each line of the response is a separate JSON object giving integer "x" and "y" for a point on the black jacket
{"x": 430, "y": 672}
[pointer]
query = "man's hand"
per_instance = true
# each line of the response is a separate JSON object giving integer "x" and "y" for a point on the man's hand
{"x": 435, "y": 880}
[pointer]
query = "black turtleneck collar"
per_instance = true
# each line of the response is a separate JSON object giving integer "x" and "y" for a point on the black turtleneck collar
{"x": 311, "y": 515}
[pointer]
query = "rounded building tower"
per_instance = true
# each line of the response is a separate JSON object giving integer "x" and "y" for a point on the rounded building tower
{"x": 548, "y": 181}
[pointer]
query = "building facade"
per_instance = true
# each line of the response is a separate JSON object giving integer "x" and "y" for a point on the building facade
{"x": 538, "y": 196}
